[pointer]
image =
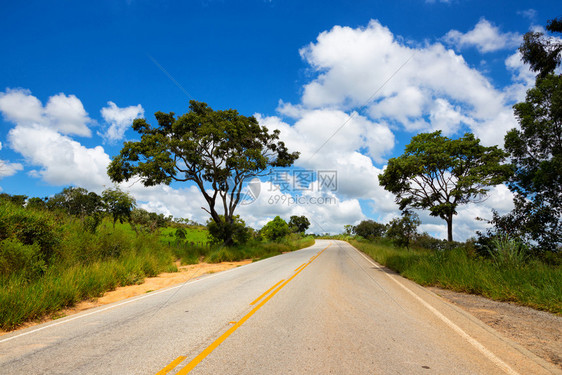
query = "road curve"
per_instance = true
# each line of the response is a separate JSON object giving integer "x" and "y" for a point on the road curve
{"x": 326, "y": 309}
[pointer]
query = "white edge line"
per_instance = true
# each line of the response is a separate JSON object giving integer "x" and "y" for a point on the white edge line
{"x": 133, "y": 299}
{"x": 481, "y": 348}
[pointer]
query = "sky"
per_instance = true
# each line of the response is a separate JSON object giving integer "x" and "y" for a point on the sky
{"x": 347, "y": 84}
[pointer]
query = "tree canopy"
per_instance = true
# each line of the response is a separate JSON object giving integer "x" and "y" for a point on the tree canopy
{"x": 217, "y": 150}
{"x": 298, "y": 224}
{"x": 118, "y": 204}
{"x": 276, "y": 229}
{"x": 438, "y": 173}
{"x": 369, "y": 229}
{"x": 541, "y": 52}
{"x": 536, "y": 155}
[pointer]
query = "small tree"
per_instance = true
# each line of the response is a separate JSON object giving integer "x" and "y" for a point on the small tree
{"x": 298, "y": 224}
{"x": 118, "y": 204}
{"x": 402, "y": 231}
{"x": 276, "y": 229}
{"x": 438, "y": 173}
{"x": 369, "y": 229}
{"x": 237, "y": 231}
{"x": 217, "y": 150}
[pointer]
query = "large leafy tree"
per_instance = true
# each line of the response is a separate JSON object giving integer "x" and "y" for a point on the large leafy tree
{"x": 543, "y": 53}
{"x": 438, "y": 173}
{"x": 217, "y": 150}
{"x": 536, "y": 154}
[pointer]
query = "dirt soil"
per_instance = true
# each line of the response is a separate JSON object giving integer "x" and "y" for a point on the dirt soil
{"x": 185, "y": 273}
{"x": 539, "y": 332}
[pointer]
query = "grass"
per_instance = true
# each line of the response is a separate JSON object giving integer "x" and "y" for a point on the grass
{"x": 195, "y": 234}
{"x": 49, "y": 261}
{"x": 532, "y": 283}
{"x": 255, "y": 250}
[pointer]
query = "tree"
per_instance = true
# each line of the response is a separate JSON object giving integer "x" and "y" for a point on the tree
{"x": 18, "y": 200}
{"x": 217, "y": 150}
{"x": 541, "y": 52}
{"x": 36, "y": 203}
{"x": 536, "y": 155}
{"x": 76, "y": 201}
{"x": 402, "y": 231}
{"x": 369, "y": 229}
{"x": 276, "y": 229}
{"x": 298, "y": 224}
{"x": 438, "y": 173}
{"x": 238, "y": 231}
{"x": 118, "y": 204}
{"x": 142, "y": 220}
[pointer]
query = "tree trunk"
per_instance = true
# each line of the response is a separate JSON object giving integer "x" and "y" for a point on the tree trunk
{"x": 449, "y": 228}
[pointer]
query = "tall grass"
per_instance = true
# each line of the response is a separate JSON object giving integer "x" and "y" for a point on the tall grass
{"x": 531, "y": 283}
{"x": 50, "y": 261}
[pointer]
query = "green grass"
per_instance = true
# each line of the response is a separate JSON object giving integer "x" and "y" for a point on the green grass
{"x": 195, "y": 234}
{"x": 254, "y": 250}
{"x": 50, "y": 261}
{"x": 531, "y": 284}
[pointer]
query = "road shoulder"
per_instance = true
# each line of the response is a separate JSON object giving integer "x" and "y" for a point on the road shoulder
{"x": 539, "y": 332}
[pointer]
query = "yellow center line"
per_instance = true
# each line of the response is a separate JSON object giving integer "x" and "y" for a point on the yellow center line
{"x": 267, "y": 291}
{"x": 299, "y": 267}
{"x": 191, "y": 365}
{"x": 171, "y": 366}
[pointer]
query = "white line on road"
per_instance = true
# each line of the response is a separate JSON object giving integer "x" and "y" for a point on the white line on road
{"x": 481, "y": 348}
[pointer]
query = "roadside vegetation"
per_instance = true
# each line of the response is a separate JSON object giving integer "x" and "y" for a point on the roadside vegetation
{"x": 59, "y": 251}
{"x": 504, "y": 276}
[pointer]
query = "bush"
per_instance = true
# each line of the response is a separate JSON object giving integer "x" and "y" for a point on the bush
{"x": 276, "y": 229}
{"x": 16, "y": 257}
{"x": 222, "y": 232}
{"x": 508, "y": 252}
{"x": 29, "y": 227}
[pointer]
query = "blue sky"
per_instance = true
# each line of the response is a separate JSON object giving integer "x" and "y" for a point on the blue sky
{"x": 73, "y": 75}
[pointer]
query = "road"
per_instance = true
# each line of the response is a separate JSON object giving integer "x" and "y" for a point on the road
{"x": 326, "y": 309}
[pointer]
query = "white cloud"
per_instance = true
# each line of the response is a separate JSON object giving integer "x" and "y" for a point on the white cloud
{"x": 485, "y": 36}
{"x": 20, "y": 107}
{"x": 434, "y": 88}
{"x": 63, "y": 161}
{"x": 9, "y": 169}
{"x": 67, "y": 115}
{"x": 119, "y": 120}
{"x": 64, "y": 114}
{"x": 530, "y": 14}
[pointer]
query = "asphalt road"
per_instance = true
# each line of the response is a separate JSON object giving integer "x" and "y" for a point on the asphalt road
{"x": 326, "y": 309}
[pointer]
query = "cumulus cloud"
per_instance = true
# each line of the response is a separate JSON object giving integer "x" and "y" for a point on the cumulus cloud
{"x": 485, "y": 36}
{"x": 63, "y": 161}
{"x": 119, "y": 120}
{"x": 63, "y": 113}
{"x": 350, "y": 111}
{"x": 411, "y": 88}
